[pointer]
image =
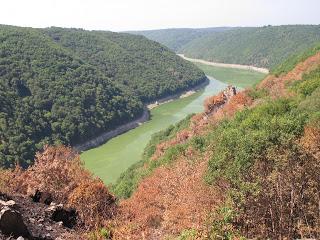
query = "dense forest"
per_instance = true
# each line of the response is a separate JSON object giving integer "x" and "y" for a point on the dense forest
{"x": 67, "y": 85}
{"x": 265, "y": 46}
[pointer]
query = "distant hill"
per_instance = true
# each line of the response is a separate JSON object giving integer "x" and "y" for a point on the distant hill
{"x": 67, "y": 85}
{"x": 176, "y": 38}
{"x": 259, "y": 46}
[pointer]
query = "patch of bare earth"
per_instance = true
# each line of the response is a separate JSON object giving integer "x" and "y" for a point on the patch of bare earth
{"x": 277, "y": 86}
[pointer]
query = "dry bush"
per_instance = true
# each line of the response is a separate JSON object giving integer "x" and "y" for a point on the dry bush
{"x": 93, "y": 202}
{"x": 172, "y": 199}
{"x": 59, "y": 171}
{"x": 5, "y": 177}
{"x": 211, "y": 104}
{"x": 311, "y": 139}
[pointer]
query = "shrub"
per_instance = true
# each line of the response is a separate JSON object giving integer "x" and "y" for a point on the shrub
{"x": 59, "y": 171}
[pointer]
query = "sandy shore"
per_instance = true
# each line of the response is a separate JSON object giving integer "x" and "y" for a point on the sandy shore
{"x": 238, "y": 66}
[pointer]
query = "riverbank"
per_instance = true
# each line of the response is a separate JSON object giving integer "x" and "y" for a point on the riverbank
{"x": 104, "y": 137}
{"x": 226, "y": 65}
{"x": 112, "y": 158}
{"x": 181, "y": 94}
{"x": 101, "y": 139}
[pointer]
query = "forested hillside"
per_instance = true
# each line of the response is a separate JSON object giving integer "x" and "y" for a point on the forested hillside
{"x": 259, "y": 46}
{"x": 132, "y": 62}
{"x": 66, "y": 85}
{"x": 262, "y": 47}
{"x": 176, "y": 38}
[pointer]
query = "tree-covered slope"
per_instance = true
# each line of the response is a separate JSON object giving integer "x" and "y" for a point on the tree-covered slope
{"x": 62, "y": 86}
{"x": 132, "y": 62}
{"x": 176, "y": 38}
{"x": 262, "y": 46}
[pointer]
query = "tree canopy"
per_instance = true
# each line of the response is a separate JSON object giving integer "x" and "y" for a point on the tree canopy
{"x": 67, "y": 85}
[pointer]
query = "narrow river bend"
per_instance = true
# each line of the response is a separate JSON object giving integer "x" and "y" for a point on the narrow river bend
{"x": 109, "y": 160}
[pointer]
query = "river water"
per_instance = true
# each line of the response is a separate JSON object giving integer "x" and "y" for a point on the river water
{"x": 109, "y": 160}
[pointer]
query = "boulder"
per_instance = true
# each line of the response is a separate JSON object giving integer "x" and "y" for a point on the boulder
{"x": 11, "y": 223}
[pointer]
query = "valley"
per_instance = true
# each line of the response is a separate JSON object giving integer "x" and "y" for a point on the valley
{"x": 111, "y": 159}
{"x": 165, "y": 134}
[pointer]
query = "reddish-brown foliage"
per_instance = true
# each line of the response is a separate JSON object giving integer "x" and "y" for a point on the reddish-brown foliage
{"x": 59, "y": 171}
{"x": 174, "y": 198}
{"x": 93, "y": 202}
{"x": 311, "y": 140}
{"x": 277, "y": 85}
{"x": 213, "y": 103}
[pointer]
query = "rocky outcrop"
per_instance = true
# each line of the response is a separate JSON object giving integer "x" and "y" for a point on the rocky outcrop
{"x": 57, "y": 213}
{"x": 214, "y": 103}
{"x": 22, "y": 218}
{"x": 42, "y": 197}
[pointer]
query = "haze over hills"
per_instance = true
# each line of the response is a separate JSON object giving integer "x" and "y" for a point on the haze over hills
{"x": 264, "y": 46}
{"x": 67, "y": 85}
{"x": 177, "y": 38}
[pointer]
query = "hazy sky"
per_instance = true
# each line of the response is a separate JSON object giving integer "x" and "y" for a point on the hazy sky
{"x": 120, "y": 15}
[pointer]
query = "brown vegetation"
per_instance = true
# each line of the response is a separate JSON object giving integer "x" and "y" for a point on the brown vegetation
{"x": 277, "y": 85}
{"x": 174, "y": 198}
{"x": 59, "y": 171}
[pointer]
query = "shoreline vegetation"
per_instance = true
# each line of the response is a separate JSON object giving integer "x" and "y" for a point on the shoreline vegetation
{"x": 226, "y": 65}
{"x": 104, "y": 137}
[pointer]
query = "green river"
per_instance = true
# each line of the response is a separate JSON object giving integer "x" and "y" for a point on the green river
{"x": 109, "y": 160}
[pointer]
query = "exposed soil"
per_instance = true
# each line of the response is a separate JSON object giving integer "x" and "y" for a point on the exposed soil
{"x": 277, "y": 85}
{"x": 38, "y": 220}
